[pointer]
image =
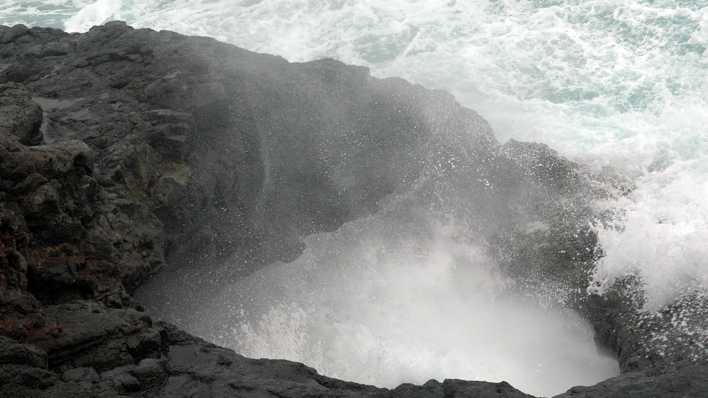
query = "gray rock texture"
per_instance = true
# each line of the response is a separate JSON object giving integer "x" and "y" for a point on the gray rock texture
{"x": 124, "y": 152}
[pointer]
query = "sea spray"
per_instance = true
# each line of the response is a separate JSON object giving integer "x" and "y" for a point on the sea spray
{"x": 385, "y": 302}
{"x": 621, "y": 85}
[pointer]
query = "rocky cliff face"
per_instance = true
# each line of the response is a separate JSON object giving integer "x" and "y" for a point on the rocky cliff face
{"x": 123, "y": 152}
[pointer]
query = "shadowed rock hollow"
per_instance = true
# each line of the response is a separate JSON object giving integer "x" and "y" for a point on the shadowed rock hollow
{"x": 127, "y": 152}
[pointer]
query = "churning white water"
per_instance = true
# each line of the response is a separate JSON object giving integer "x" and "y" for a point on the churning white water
{"x": 385, "y": 301}
{"x": 612, "y": 84}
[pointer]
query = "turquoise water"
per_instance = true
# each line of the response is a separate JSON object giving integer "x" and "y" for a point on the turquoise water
{"x": 618, "y": 84}
{"x": 611, "y": 83}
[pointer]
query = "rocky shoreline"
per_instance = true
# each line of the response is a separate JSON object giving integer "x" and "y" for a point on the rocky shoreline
{"x": 124, "y": 152}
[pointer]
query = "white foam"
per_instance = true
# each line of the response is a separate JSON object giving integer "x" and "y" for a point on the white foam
{"x": 94, "y": 14}
{"x": 379, "y": 304}
{"x": 662, "y": 237}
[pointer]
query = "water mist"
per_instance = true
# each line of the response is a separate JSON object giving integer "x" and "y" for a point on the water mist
{"x": 385, "y": 302}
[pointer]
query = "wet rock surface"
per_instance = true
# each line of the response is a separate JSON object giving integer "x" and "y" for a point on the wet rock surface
{"x": 123, "y": 152}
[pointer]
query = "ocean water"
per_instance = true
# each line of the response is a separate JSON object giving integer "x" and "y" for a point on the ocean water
{"x": 619, "y": 85}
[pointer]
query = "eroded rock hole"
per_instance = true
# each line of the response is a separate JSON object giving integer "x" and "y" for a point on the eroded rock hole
{"x": 386, "y": 300}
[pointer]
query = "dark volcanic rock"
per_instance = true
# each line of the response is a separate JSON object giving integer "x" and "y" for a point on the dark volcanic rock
{"x": 12, "y": 352}
{"x": 124, "y": 150}
{"x": 19, "y": 115}
{"x": 684, "y": 380}
{"x": 458, "y": 388}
